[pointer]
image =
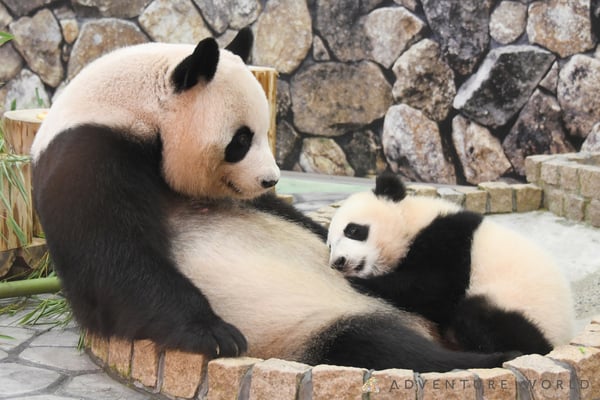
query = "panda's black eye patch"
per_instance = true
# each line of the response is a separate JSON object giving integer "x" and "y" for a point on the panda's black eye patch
{"x": 356, "y": 232}
{"x": 240, "y": 144}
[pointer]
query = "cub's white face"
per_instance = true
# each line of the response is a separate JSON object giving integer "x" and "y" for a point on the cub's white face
{"x": 358, "y": 237}
{"x": 369, "y": 235}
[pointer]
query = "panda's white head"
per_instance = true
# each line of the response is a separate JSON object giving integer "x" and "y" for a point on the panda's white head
{"x": 215, "y": 141}
{"x": 363, "y": 231}
{"x": 372, "y": 231}
{"x": 211, "y": 113}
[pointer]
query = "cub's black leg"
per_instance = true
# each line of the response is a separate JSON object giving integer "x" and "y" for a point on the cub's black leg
{"x": 102, "y": 202}
{"x": 480, "y": 326}
{"x": 381, "y": 342}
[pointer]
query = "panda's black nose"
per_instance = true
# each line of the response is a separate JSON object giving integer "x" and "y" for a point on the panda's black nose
{"x": 268, "y": 183}
{"x": 339, "y": 263}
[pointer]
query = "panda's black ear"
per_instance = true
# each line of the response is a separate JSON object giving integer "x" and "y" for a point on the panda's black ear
{"x": 389, "y": 186}
{"x": 241, "y": 44}
{"x": 201, "y": 64}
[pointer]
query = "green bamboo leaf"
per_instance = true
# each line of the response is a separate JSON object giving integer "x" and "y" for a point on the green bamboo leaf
{"x": 5, "y": 37}
{"x": 7, "y": 337}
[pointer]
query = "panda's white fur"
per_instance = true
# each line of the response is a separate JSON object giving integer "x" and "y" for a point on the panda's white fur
{"x": 511, "y": 271}
{"x": 146, "y": 106}
{"x": 276, "y": 272}
{"x": 149, "y": 174}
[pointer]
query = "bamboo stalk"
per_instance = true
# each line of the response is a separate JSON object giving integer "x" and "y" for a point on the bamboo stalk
{"x": 29, "y": 287}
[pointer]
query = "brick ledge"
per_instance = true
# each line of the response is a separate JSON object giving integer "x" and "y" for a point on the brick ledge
{"x": 570, "y": 371}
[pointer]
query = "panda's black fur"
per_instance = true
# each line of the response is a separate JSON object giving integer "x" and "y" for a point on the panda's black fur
{"x": 142, "y": 252}
{"x": 433, "y": 276}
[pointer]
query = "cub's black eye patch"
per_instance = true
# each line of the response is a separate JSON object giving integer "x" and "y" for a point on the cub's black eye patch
{"x": 240, "y": 143}
{"x": 356, "y": 232}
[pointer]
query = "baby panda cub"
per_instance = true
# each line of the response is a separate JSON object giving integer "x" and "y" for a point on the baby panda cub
{"x": 488, "y": 288}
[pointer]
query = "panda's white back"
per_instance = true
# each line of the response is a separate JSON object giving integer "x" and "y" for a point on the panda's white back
{"x": 515, "y": 274}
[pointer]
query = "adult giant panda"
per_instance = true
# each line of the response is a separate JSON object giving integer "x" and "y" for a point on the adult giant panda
{"x": 488, "y": 288}
{"x": 150, "y": 173}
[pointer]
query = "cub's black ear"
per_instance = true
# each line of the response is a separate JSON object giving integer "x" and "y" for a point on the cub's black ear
{"x": 241, "y": 44}
{"x": 201, "y": 64}
{"x": 389, "y": 186}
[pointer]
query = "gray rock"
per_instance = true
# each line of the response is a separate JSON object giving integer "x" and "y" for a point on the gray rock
{"x": 331, "y": 99}
{"x": 320, "y": 52}
{"x": 226, "y": 37}
{"x": 38, "y": 40}
{"x": 288, "y": 141}
{"x": 22, "y": 90}
{"x": 550, "y": 81}
{"x": 338, "y": 23}
{"x": 577, "y": 93}
{"x": 284, "y": 99}
{"x": 380, "y": 36}
{"x": 424, "y": 81}
{"x": 508, "y": 21}
{"x": 412, "y": 145}
{"x": 98, "y": 37}
{"x": 173, "y": 21}
{"x": 365, "y": 154}
{"x": 368, "y": 5}
{"x": 592, "y": 141}
{"x": 389, "y": 32}
{"x": 538, "y": 130}
{"x": 479, "y": 152}
{"x": 17, "y": 379}
{"x": 11, "y": 62}
{"x": 503, "y": 84}
{"x": 463, "y": 29}
{"x": 410, "y": 4}
{"x": 5, "y": 17}
{"x": 65, "y": 358}
{"x": 324, "y": 156}
{"x": 56, "y": 338}
{"x": 562, "y": 26}
{"x": 109, "y": 8}
{"x": 24, "y": 7}
{"x": 101, "y": 386}
{"x": 70, "y": 29}
{"x": 221, "y": 14}
{"x": 17, "y": 336}
{"x": 283, "y": 35}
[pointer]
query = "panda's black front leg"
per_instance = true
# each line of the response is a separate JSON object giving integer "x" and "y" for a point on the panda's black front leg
{"x": 270, "y": 203}
{"x": 103, "y": 204}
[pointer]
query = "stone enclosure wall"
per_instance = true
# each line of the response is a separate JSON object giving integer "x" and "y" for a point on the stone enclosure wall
{"x": 447, "y": 91}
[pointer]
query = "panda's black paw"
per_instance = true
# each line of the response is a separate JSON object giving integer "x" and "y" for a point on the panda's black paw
{"x": 509, "y": 355}
{"x": 215, "y": 339}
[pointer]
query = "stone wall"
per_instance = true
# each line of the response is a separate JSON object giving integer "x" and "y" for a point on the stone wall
{"x": 447, "y": 91}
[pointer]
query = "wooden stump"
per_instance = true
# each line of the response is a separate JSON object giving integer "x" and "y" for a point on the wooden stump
{"x": 268, "y": 79}
{"x": 20, "y": 127}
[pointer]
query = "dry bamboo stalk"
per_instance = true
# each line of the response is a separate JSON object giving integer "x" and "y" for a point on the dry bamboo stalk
{"x": 19, "y": 206}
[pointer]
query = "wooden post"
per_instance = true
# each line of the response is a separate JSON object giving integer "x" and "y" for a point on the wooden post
{"x": 20, "y": 127}
{"x": 268, "y": 79}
